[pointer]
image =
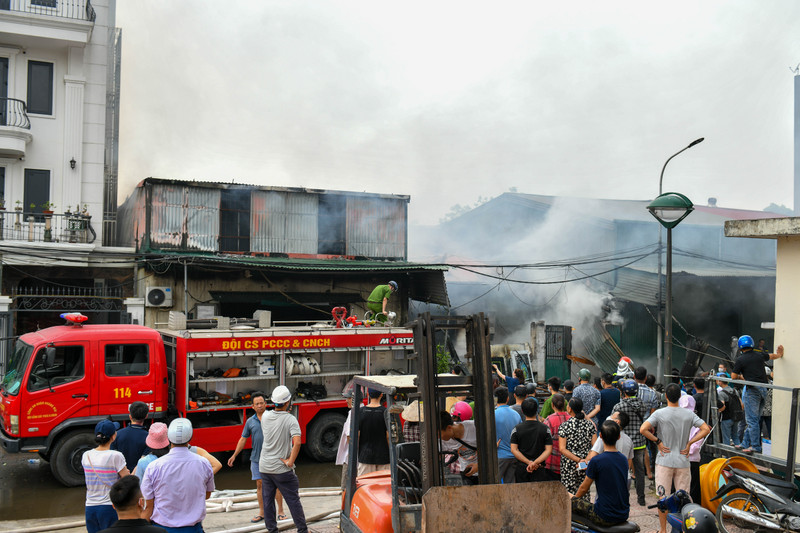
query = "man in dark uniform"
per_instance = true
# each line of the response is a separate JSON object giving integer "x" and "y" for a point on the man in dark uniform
{"x": 749, "y": 366}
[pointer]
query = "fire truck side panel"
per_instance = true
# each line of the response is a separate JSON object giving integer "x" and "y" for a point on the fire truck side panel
{"x": 130, "y": 370}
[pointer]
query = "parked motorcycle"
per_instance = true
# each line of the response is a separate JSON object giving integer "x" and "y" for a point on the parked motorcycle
{"x": 685, "y": 516}
{"x": 762, "y": 504}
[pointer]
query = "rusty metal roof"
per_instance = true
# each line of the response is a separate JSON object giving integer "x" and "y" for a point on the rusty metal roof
{"x": 220, "y": 185}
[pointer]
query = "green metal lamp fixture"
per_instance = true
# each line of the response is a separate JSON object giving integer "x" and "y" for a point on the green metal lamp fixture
{"x": 670, "y": 208}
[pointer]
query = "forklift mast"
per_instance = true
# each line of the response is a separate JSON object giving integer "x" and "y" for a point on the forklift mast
{"x": 433, "y": 388}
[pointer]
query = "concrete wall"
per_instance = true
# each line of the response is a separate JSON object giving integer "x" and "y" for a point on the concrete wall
{"x": 787, "y": 333}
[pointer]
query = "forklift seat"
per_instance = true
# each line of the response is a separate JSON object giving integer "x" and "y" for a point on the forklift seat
{"x": 409, "y": 472}
{"x": 410, "y": 451}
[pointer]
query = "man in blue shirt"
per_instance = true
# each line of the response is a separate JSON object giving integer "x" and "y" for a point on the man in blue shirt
{"x": 252, "y": 429}
{"x": 610, "y": 471}
{"x": 130, "y": 440}
{"x": 505, "y": 419}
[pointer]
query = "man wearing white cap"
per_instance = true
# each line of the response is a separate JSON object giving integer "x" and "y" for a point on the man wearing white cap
{"x": 278, "y": 453}
{"x": 177, "y": 485}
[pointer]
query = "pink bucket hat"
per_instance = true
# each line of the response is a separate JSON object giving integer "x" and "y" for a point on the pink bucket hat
{"x": 157, "y": 436}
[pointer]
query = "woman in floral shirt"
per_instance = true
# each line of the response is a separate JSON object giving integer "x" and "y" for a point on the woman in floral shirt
{"x": 575, "y": 439}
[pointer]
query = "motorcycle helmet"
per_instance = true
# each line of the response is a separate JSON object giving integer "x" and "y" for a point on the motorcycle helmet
{"x": 530, "y": 389}
{"x": 585, "y": 374}
{"x": 746, "y": 341}
{"x": 698, "y": 520}
{"x": 461, "y": 411}
{"x": 393, "y": 285}
{"x": 630, "y": 387}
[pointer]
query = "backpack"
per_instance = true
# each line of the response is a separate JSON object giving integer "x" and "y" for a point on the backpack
{"x": 734, "y": 403}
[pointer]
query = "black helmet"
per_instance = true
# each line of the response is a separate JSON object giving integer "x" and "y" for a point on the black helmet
{"x": 698, "y": 520}
{"x": 530, "y": 389}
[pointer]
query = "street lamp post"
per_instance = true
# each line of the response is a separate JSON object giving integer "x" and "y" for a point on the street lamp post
{"x": 660, "y": 342}
{"x": 669, "y": 209}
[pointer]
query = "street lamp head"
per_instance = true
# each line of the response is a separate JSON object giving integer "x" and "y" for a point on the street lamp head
{"x": 670, "y": 208}
{"x": 696, "y": 141}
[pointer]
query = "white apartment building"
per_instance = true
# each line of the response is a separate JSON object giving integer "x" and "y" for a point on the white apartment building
{"x": 59, "y": 88}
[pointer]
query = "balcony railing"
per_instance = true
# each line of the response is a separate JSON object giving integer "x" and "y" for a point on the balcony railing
{"x": 68, "y": 9}
{"x": 13, "y": 112}
{"x": 46, "y": 227}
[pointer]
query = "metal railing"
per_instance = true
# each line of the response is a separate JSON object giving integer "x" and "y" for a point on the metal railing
{"x": 46, "y": 227}
{"x": 68, "y": 9}
{"x": 787, "y": 466}
{"x": 14, "y": 113}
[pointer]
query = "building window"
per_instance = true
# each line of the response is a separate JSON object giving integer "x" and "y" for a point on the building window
{"x": 37, "y": 190}
{"x": 234, "y": 220}
{"x": 44, "y": 3}
{"x": 40, "y": 88}
{"x": 332, "y": 224}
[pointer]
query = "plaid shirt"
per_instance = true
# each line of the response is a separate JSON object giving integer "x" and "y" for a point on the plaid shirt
{"x": 553, "y": 422}
{"x": 635, "y": 409}
{"x": 649, "y": 398}
{"x": 411, "y": 432}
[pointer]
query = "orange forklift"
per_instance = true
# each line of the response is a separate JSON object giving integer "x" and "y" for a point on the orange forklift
{"x": 417, "y": 493}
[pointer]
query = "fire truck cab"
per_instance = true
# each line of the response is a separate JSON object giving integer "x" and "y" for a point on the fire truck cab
{"x": 61, "y": 381}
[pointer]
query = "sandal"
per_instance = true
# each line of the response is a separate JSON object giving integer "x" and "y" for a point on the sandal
{"x": 257, "y": 518}
{"x": 282, "y": 517}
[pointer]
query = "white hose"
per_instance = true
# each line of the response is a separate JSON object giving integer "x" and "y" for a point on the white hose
{"x": 283, "y": 524}
{"x": 52, "y": 527}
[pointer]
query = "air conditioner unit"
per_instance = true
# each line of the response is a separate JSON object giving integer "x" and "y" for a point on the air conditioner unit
{"x": 159, "y": 297}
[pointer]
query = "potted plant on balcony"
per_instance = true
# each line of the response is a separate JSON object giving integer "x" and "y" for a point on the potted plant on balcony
{"x": 48, "y": 207}
{"x": 18, "y": 207}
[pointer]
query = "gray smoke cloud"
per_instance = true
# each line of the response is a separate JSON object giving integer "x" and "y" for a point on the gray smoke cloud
{"x": 452, "y": 101}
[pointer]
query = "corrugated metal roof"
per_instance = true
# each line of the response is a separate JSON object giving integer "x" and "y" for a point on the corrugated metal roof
{"x": 636, "y": 286}
{"x": 220, "y": 185}
{"x": 601, "y": 348}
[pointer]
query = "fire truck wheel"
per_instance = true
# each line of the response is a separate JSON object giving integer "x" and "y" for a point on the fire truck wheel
{"x": 66, "y": 457}
{"x": 322, "y": 441}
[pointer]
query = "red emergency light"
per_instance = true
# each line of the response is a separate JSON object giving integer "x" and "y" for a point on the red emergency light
{"x": 74, "y": 319}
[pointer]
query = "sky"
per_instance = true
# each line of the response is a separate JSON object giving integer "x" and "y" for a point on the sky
{"x": 449, "y": 102}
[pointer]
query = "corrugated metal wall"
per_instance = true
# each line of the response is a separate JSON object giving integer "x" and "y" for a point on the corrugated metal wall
{"x": 202, "y": 219}
{"x": 376, "y": 227}
{"x": 190, "y": 217}
{"x": 283, "y": 222}
{"x": 185, "y": 218}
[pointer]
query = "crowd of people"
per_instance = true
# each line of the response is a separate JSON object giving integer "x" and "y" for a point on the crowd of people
{"x": 611, "y": 432}
{"x": 154, "y": 481}
{"x": 618, "y": 428}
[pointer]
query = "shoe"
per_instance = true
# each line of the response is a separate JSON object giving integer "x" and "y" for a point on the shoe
{"x": 737, "y": 446}
{"x": 257, "y": 518}
{"x": 642, "y": 502}
{"x": 282, "y": 517}
{"x": 750, "y": 451}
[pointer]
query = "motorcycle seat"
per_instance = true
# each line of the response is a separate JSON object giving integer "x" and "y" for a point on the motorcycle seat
{"x": 782, "y": 487}
{"x": 623, "y": 527}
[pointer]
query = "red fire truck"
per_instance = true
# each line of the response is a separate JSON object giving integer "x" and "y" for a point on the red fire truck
{"x": 62, "y": 380}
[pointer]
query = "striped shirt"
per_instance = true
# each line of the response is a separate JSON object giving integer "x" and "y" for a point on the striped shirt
{"x": 101, "y": 469}
{"x": 649, "y": 398}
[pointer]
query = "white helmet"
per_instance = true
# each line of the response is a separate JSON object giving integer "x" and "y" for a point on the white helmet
{"x": 281, "y": 395}
{"x": 180, "y": 431}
